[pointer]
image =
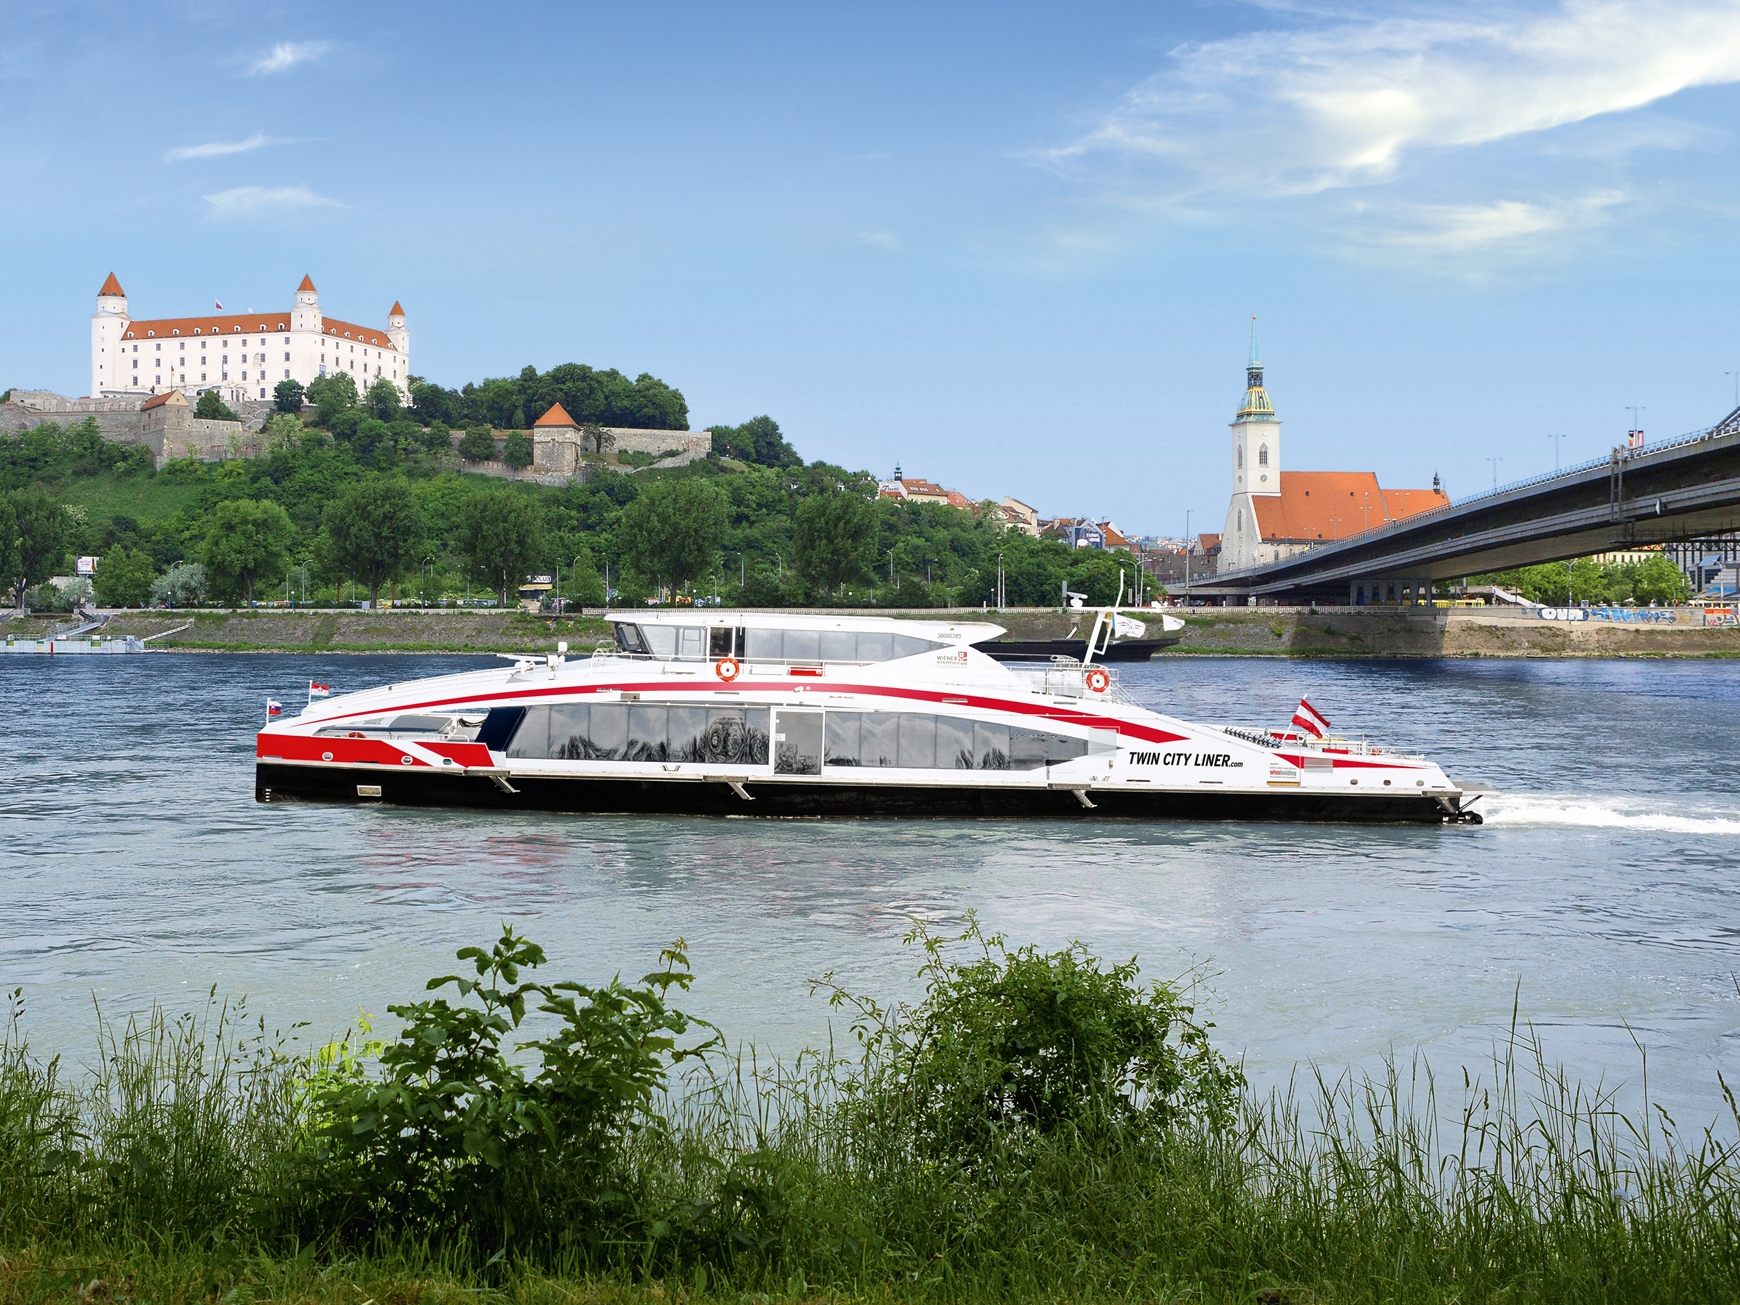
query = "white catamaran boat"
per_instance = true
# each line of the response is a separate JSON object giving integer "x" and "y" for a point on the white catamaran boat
{"x": 786, "y": 714}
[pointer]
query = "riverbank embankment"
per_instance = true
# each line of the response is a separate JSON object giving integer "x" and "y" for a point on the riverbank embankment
{"x": 1235, "y": 632}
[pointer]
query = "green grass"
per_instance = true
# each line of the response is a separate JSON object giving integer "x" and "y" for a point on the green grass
{"x": 185, "y": 1165}
{"x": 149, "y": 500}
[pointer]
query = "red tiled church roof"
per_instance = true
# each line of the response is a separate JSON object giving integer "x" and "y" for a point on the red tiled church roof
{"x": 1315, "y": 505}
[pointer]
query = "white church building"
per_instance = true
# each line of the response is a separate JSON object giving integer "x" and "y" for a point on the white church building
{"x": 1274, "y": 513}
{"x": 240, "y": 355}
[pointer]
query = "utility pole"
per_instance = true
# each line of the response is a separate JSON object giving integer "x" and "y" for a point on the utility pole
{"x": 1186, "y": 557}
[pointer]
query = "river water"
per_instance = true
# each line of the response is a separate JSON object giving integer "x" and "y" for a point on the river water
{"x": 1602, "y": 896}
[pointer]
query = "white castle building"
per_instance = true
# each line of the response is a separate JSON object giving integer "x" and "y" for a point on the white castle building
{"x": 240, "y": 355}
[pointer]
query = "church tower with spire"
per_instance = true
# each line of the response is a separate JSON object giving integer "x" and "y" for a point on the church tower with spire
{"x": 1256, "y": 450}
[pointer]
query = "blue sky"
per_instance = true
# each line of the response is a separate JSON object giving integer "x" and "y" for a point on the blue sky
{"x": 1012, "y": 247}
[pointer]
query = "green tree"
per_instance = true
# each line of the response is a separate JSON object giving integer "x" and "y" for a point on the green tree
{"x": 383, "y": 400}
{"x": 672, "y": 532}
{"x": 124, "y": 578}
{"x": 757, "y": 440}
{"x": 500, "y": 538}
{"x": 283, "y": 432}
{"x": 582, "y": 585}
{"x": 287, "y": 396}
{"x": 247, "y": 543}
{"x": 34, "y": 531}
{"x": 371, "y": 533}
{"x": 1659, "y": 581}
{"x": 516, "y": 449}
{"x": 183, "y": 583}
{"x": 833, "y": 533}
{"x": 332, "y": 395}
{"x": 477, "y": 444}
{"x": 211, "y": 408}
{"x": 595, "y": 437}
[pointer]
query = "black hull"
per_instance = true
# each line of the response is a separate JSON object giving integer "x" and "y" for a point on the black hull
{"x": 1027, "y": 650}
{"x": 277, "y": 782}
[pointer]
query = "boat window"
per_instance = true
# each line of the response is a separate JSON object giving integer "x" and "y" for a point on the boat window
{"x": 611, "y": 731}
{"x": 803, "y": 645}
{"x": 661, "y": 641}
{"x": 875, "y": 647}
{"x": 691, "y": 643}
{"x": 688, "y": 727}
{"x": 990, "y": 746}
{"x": 501, "y": 727}
{"x": 880, "y": 731}
{"x": 917, "y": 740}
{"x": 761, "y": 645}
{"x": 839, "y": 646}
{"x": 648, "y": 734}
{"x": 719, "y": 641}
{"x": 843, "y": 734}
{"x": 923, "y": 741}
{"x": 628, "y": 638}
{"x": 954, "y": 742}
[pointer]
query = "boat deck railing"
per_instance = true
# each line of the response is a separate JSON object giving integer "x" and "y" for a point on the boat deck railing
{"x": 1269, "y": 738}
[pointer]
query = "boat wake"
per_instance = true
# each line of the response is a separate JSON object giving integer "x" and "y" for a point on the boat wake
{"x": 1603, "y": 813}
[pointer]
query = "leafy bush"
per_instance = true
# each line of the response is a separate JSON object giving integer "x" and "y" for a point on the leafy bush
{"x": 464, "y": 1138}
{"x": 1023, "y": 1044}
{"x": 182, "y": 584}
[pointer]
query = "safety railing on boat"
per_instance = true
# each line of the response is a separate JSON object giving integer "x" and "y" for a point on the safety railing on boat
{"x": 1274, "y": 738}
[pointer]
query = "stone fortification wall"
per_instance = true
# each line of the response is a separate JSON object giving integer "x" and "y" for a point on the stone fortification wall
{"x": 168, "y": 431}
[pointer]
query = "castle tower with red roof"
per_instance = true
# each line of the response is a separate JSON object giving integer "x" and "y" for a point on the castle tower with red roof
{"x": 242, "y": 356}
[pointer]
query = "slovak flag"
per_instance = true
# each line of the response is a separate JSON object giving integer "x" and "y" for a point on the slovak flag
{"x": 217, "y": 305}
{"x": 1309, "y": 719}
{"x": 318, "y": 690}
{"x": 274, "y": 707}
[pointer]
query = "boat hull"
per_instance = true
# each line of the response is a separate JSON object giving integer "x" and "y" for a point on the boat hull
{"x": 785, "y": 798}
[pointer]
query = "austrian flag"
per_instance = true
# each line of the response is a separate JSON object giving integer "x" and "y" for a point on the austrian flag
{"x": 1309, "y": 719}
{"x": 318, "y": 690}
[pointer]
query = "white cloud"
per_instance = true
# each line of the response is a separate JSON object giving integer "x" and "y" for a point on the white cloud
{"x": 263, "y": 201}
{"x": 1506, "y": 225}
{"x": 287, "y": 54}
{"x": 216, "y": 149}
{"x": 1305, "y": 110}
{"x": 887, "y": 241}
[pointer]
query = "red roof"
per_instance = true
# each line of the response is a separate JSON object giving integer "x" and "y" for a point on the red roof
{"x": 1114, "y": 537}
{"x": 307, "y": 285}
{"x": 112, "y": 287}
{"x": 158, "y": 400}
{"x": 557, "y": 416}
{"x": 1316, "y": 505}
{"x": 249, "y": 324}
{"x": 1209, "y": 542}
{"x": 959, "y": 500}
{"x": 914, "y": 485}
{"x": 395, "y": 310}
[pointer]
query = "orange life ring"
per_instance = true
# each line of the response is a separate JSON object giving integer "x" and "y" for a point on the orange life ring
{"x": 726, "y": 668}
{"x": 1098, "y": 680}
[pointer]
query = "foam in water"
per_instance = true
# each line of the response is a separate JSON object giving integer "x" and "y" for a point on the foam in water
{"x": 1602, "y": 813}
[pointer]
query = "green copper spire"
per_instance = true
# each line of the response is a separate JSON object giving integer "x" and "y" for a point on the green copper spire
{"x": 1256, "y": 406}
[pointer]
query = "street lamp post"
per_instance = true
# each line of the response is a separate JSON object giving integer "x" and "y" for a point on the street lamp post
{"x": 891, "y": 567}
{"x": 1557, "y": 445}
{"x": 1736, "y": 376}
{"x": 1495, "y": 462}
{"x": 1187, "y": 555}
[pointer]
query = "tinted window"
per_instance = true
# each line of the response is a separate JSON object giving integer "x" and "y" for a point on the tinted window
{"x": 844, "y": 732}
{"x": 917, "y": 740}
{"x": 880, "y": 739}
{"x": 661, "y": 641}
{"x": 954, "y": 743}
{"x": 762, "y": 645}
{"x": 570, "y": 733}
{"x": 628, "y": 638}
{"x": 691, "y": 643}
{"x": 803, "y": 645}
{"x": 687, "y": 727}
{"x": 839, "y": 646}
{"x": 875, "y": 647}
{"x": 647, "y": 738}
{"x": 609, "y": 732}
{"x": 499, "y": 727}
{"x": 719, "y": 642}
{"x": 990, "y": 746}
